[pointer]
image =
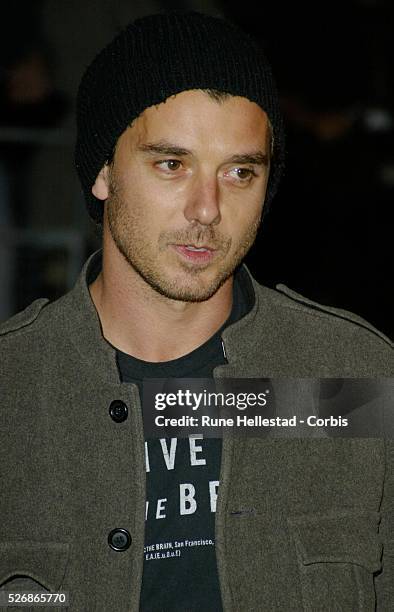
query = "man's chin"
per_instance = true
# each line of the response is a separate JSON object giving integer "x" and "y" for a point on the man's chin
{"x": 189, "y": 288}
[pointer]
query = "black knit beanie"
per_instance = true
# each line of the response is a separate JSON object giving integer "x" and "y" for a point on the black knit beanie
{"x": 156, "y": 57}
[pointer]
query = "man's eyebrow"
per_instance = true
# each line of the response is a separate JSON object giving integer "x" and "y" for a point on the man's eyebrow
{"x": 256, "y": 157}
{"x": 163, "y": 147}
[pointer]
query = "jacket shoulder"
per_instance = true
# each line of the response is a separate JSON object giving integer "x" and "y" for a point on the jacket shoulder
{"x": 297, "y": 300}
{"x": 23, "y": 318}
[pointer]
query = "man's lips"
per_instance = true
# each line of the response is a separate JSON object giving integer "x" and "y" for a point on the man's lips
{"x": 197, "y": 246}
{"x": 193, "y": 252}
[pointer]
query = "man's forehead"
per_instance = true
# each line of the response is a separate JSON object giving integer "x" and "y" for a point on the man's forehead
{"x": 193, "y": 112}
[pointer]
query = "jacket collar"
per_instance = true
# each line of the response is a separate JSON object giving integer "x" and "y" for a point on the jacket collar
{"x": 84, "y": 328}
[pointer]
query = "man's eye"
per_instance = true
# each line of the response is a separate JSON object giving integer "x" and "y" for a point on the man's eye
{"x": 169, "y": 164}
{"x": 243, "y": 175}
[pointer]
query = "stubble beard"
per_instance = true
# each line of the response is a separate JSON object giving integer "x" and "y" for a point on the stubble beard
{"x": 190, "y": 287}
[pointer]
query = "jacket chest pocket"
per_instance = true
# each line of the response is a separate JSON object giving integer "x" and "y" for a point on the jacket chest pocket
{"x": 337, "y": 557}
{"x": 32, "y": 566}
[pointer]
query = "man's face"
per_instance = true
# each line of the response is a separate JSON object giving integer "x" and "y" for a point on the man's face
{"x": 185, "y": 192}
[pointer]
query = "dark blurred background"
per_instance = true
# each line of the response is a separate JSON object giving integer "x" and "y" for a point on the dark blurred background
{"x": 329, "y": 234}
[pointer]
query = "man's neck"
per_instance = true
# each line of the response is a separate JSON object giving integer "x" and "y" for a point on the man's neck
{"x": 141, "y": 322}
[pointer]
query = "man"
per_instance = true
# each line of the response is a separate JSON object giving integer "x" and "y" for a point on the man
{"x": 180, "y": 145}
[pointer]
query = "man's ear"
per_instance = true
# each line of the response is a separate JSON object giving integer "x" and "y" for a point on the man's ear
{"x": 100, "y": 189}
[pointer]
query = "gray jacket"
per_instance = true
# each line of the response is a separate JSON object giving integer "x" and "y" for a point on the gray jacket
{"x": 301, "y": 524}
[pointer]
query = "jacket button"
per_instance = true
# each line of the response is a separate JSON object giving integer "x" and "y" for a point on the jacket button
{"x": 119, "y": 539}
{"x": 118, "y": 411}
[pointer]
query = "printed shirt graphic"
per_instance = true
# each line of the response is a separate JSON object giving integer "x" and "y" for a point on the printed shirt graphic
{"x": 180, "y": 564}
{"x": 182, "y": 477}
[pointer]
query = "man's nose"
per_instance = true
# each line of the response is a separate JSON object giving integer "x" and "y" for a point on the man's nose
{"x": 203, "y": 202}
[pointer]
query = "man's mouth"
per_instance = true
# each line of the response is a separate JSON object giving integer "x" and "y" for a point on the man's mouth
{"x": 192, "y": 252}
{"x": 191, "y": 247}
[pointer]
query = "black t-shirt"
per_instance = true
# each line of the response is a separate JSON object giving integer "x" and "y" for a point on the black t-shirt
{"x": 180, "y": 572}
